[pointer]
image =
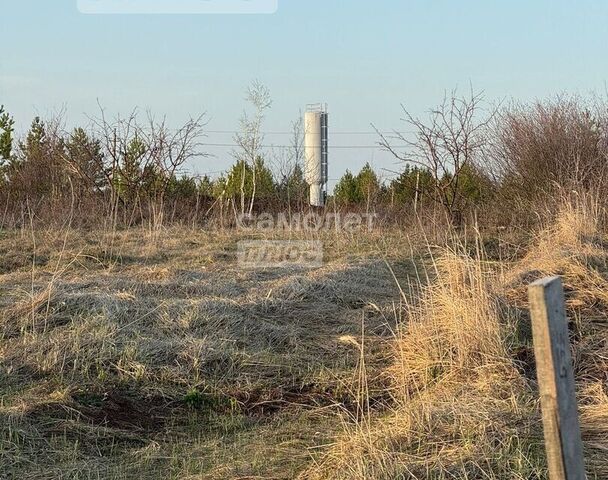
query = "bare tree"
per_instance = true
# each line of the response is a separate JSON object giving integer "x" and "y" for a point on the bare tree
{"x": 143, "y": 159}
{"x": 290, "y": 168}
{"x": 445, "y": 144}
{"x": 250, "y": 138}
{"x": 297, "y": 140}
{"x": 169, "y": 150}
{"x": 115, "y": 136}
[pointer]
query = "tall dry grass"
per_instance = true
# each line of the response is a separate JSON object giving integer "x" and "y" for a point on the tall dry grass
{"x": 464, "y": 395}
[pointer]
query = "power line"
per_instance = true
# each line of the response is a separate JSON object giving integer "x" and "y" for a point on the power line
{"x": 331, "y": 147}
{"x": 226, "y": 132}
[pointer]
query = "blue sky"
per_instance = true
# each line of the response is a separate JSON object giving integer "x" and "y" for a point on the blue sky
{"x": 364, "y": 58}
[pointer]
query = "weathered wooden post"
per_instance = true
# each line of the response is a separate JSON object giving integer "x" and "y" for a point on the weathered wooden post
{"x": 556, "y": 380}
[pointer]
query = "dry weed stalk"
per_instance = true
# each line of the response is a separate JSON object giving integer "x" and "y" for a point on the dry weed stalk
{"x": 463, "y": 407}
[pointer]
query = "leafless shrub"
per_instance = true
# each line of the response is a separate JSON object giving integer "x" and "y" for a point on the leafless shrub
{"x": 447, "y": 144}
{"x": 547, "y": 148}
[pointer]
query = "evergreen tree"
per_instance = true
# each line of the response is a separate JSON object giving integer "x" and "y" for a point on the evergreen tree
{"x": 413, "y": 183}
{"x": 183, "y": 188}
{"x": 206, "y": 187}
{"x": 85, "y": 159}
{"x": 367, "y": 184}
{"x": 239, "y": 180}
{"x": 346, "y": 190}
{"x": 293, "y": 187}
{"x": 7, "y": 128}
{"x": 359, "y": 189}
{"x": 129, "y": 176}
{"x": 40, "y": 169}
{"x": 265, "y": 185}
{"x": 474, "y": 186}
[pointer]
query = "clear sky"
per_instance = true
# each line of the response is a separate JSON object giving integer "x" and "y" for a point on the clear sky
{"x": 364, "y": 58}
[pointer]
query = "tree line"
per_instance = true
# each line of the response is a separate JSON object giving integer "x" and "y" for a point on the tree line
{"x": 464, "y": 160}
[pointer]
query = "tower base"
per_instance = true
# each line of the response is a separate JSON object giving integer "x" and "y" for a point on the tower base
{"x": 317, "y": 195}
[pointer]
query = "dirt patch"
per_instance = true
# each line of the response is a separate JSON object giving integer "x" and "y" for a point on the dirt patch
{"x": 122, "y": 410}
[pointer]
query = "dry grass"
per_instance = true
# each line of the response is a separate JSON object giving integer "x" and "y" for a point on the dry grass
{"x": 122, "y": 356}
{"x": 464, "y": 395}
{"x": 127, "y": 356}
{"x": 459, "y": 405}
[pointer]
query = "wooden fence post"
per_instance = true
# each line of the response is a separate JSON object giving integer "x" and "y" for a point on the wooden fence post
{"x": 556, "y": 380}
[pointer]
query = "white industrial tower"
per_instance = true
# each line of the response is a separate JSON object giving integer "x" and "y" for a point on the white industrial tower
{"x": 316, "y": 152}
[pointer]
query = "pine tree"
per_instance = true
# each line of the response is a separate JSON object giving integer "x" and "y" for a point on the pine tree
{"x": 368, "y": 185}
{"x": 7, "y": 128}
{"x": 85, "y": 159}
{"x": 346, "y": 190}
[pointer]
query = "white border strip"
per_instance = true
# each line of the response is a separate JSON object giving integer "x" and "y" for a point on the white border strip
{"x": 208, "y": 7}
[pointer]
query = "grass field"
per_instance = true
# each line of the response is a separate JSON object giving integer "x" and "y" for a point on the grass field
{"x": 124, "y": 356}
{"x": 130, "y": 356}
